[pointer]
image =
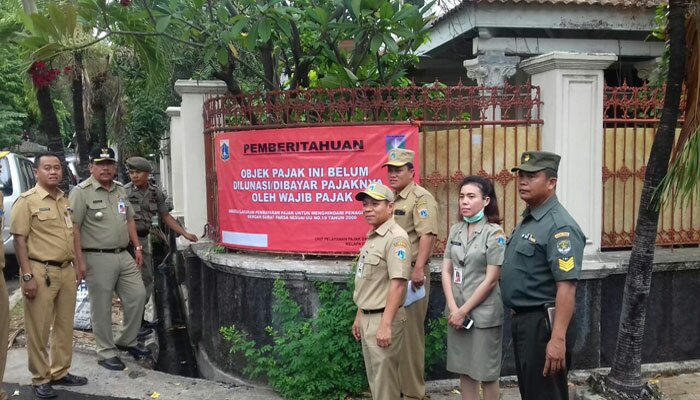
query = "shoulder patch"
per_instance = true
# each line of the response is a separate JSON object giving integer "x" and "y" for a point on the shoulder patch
{"x": 566, "y": 264}
{"x": 400, "y": 243}
{"x": 564, "y": 246}
{"x": 400, "y": 252}
{"x": 423, "y": 212}
{"x": 560, "y": 235}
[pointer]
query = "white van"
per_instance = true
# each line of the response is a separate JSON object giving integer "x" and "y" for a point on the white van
{"x": 16, "y": 176}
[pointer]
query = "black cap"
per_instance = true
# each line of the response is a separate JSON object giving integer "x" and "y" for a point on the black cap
{"x": 102, "y": 154}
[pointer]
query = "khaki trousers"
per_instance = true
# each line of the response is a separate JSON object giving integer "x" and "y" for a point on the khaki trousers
{"x": 108, "y": 273}
{"x": 412, "y": 363}
{"x": 147, "y": 268}
{"x": 4, "y": 329}
{"x": 382, "y": 363}
{"x": 48, "y": 320}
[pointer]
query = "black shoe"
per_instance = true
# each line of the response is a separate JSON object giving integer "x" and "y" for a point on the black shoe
{"x": 137, "y": 351}
{"x": 149, "y": 324}
{"x": 114, "y": 363}
{"x": 144, "y": 332}
{"x": 70, "y": 380}
{"x": 44, "y": 391}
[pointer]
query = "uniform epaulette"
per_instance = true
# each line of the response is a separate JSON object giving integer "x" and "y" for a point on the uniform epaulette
{"x": 129, "y": 185}
{"x": 420, "y": 191}
{"x": 560, "y": 221}
{"x": 118, "y": 183}
{"x": 28, "y": 192}
{"x": 85, "y": 184}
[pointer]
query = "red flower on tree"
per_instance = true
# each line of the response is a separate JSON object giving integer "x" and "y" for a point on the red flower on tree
{"x": 41, "y": 75}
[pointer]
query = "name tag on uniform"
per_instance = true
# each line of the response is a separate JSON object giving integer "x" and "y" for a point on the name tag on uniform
{"x": 121, "y": 207}
{"x": 455, "y": 243}
{"x": 457, "y": 276}
{"x": 69, "y": 223}
{"x": 360, "y": 267}
{"x": 399, "y": 212}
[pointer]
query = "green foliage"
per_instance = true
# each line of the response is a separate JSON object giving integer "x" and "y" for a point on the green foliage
{"x": 13, "y": 107}
{"x": 309, "y": 358}
{"x": 660, "y": 32}
{"x": 436, "y": 344}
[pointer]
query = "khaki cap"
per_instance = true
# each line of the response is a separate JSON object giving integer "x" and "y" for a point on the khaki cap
{"x": 399, "y": 157}
{"x": 4, "y": 153}
{"x": 535, "y": 161}
{"x": 376, "y": 191}
{"x": 139, "y": 164}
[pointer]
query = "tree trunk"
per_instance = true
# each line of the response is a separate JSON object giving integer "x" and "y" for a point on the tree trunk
{"x": 79, "y": 116}
{"x": 49, "y": 124}
{"x": 625, "y": 375}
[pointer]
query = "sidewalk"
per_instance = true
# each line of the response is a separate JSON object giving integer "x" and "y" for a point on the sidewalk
{"x": 137, "y": 382}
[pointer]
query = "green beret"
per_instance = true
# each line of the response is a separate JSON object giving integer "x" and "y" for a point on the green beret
{"x": 139, "y": 164}
{"x": 534, "y": 161}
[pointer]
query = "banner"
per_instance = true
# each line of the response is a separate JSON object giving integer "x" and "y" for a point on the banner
{"x": 293, "y": 190}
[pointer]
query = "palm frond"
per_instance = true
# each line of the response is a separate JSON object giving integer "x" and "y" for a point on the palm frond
{"x": 692, "y": 76}
{"x": 681, "y": 182}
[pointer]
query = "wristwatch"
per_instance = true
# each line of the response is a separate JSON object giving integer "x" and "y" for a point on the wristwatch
{"x": 139, "y": 248}
{"x": 27, "y": 277}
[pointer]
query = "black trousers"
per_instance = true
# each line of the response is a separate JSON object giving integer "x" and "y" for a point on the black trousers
{"x": 530, "y": 337}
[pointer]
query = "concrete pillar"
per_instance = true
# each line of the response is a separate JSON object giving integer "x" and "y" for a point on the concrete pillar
{"x": 491, "y": 69}
{"x": 571, "y": 89}
{"x": 191, "y": 138}
{"x": 172, "y": 156}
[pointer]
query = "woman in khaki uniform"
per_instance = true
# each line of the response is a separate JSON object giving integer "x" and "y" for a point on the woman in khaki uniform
{"x": 470, "y": 273}
{"x": 383, "y": 267}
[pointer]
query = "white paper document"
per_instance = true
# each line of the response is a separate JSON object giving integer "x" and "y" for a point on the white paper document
{"x": 411, "y": 296}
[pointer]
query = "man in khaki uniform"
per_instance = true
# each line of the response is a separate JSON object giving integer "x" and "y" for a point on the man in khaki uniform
{"x": 149, "y": 205}
{"x": 415, "y": 211}
{"x": 43, "y": 240}
{"x": 383, "y": 267}
{"x": 103, "y": 225}
{"x": 4, "y": 297}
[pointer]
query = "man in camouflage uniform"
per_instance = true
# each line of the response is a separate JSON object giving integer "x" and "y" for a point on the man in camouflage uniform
{"x": 149, "y": 209}
{"x": 415, "y": 211}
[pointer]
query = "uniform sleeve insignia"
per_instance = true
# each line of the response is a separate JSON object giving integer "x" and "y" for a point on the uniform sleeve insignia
{"x": 401, "y": 244}
{"x": 423, "y": 212}
{"x": 561, "y": 235}
{"x": 564, "y": 246}
{"x": 400, "y": 253}
{"x": 501, "y": 240}
{"x": 566, "y": 264}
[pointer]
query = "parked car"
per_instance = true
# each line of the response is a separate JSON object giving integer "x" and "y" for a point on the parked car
{"x": 16, "y": 176}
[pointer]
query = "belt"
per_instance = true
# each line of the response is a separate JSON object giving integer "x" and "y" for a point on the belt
{"x": 377, "y": 311}
{"x": 52, "y": 263}
{"x": 142, "y": 236}
{"x": 527, "y": 310}
{"x": 143, "y": 233}
{"x": 115, "y": 251}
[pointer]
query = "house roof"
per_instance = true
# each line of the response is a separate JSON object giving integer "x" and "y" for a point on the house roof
{"x": 608, "y": 3}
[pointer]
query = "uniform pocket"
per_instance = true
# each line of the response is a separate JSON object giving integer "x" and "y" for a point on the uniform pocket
{"x": 371, "y": 267}
{"x": 525, "y": 248}
{"x": 45, "y": 215}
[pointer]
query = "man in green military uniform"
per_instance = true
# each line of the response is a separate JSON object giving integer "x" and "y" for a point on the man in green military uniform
{"x": 149, "y": 206}
{"x": 103, "y": 225}
{"x": 4, "y": 298}
{"x": 43, "y": 239}
{"x": 416, "y": 212}
{"x": 380, "y": 288}
{"x": 541, "y": 268}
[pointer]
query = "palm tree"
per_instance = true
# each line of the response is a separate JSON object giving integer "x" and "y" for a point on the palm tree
{"x": 625, "y": 375}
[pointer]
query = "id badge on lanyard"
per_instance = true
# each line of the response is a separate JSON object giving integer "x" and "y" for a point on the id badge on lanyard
{"x": 121, "y": 207}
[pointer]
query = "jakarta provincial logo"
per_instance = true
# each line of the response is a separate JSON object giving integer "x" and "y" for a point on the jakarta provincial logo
{"x": 395, "y": 142}
{"x": 224, "y": 150}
